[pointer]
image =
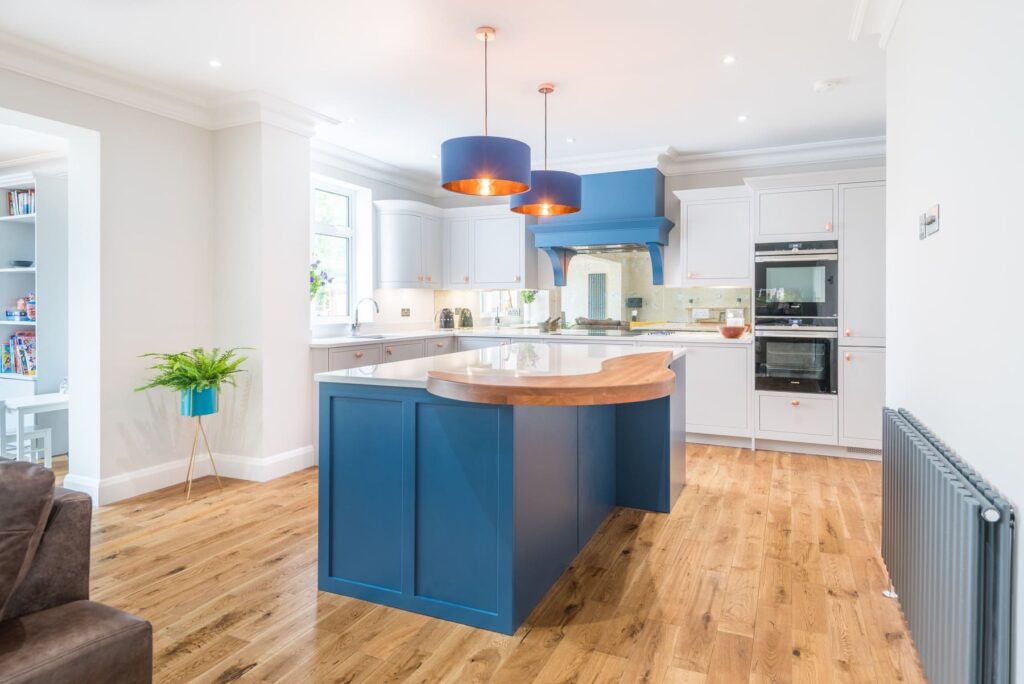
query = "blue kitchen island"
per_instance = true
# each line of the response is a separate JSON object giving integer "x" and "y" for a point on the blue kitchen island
{"x": 470, "y": 510}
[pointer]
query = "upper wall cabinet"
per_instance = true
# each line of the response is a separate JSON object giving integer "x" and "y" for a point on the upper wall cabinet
{"x": 488, "y": 248}
{"x": 409, "y": 244}
{"x": 802, "y": 206}
{"x": 796, "y": 214}
{"x": 714, "y": 237}
{"x": 862, "y": 264}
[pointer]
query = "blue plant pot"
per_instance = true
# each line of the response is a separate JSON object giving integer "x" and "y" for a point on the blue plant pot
{"x": 199, "y": 402}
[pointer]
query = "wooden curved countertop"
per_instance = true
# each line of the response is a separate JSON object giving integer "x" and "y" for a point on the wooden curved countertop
{"x": 623, "y": 379}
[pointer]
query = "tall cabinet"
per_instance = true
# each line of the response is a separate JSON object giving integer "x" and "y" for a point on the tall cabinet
{"x": 861, "y": 313}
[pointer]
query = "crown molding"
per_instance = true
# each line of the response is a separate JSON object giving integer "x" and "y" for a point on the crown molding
{"x": 34, "y": 159}
{"x": 345, "y": 159}
{"x": 875, "y": 18}
{"x": 257, "y": 106}
{"x": 643, "y": 158}
{"x": 52, "y": 66}
{"x": 675, "y": 163}
{"x": 46, "y": 64}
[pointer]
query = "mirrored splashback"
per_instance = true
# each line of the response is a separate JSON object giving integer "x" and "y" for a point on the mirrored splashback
{"x": 619, "y": 287}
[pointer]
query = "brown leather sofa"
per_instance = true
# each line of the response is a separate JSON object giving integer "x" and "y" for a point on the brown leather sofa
{"x": 49, "y": 629}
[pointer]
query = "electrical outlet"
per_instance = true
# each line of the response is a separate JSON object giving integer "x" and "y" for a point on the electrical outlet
{"x": 405, "y": 313}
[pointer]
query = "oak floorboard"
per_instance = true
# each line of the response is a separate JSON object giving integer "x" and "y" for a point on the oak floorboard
{"x": 767, "y": 569}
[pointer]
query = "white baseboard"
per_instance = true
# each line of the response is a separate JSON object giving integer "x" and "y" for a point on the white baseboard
{"x": 788, "y": 447}
{"x": 126, "y": 485}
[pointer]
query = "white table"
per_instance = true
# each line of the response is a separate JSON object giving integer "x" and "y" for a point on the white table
{"x": 31, "y": 405}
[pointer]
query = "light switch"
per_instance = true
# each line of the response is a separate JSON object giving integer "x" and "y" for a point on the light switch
{"x": 405, "y": 313}
{"x": 928, "y": 222}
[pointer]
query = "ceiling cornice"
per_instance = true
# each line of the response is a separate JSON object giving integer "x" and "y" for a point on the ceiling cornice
{"x": 874, "y": 18}
{"x": 254, "y": 106}
{"x": 345, "y": 159}
{"x": 43, "y": 158}
{"x": 675, "y": 163}
{"x": 644, "y": 158}
{"x": 46, "y": 64}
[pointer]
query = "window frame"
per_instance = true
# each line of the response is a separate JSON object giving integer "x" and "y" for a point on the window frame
{"x": 348, "y": 232}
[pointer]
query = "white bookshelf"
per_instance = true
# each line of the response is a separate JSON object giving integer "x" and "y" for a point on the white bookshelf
{"x": 39, "y": 238}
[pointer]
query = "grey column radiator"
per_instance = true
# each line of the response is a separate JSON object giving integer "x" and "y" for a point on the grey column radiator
{"x": 947, "y": 541}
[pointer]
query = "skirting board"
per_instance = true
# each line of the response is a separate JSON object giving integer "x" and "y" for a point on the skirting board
{"x": 124, "y": 486}
{"x": 787, "y": 447}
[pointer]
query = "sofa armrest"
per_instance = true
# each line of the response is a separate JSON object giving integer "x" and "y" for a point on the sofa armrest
{"x": 59, "y": 572}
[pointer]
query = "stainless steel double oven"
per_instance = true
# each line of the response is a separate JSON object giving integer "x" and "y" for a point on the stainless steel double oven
{"x": 796, "y": 316}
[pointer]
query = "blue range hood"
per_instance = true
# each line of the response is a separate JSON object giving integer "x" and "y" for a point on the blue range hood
{"x": 622, "y": 211}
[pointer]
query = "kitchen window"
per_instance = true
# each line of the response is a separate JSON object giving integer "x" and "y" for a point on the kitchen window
{"x": 331, "y": 272}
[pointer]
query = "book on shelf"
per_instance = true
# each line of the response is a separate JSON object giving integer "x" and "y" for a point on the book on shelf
{"x": 21, "y": 202}
{"x": 19, "y": 354}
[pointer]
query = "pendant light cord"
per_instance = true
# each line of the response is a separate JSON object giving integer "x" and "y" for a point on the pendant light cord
{"x": 545, "y": 131}
{"x": 486, "y": 40}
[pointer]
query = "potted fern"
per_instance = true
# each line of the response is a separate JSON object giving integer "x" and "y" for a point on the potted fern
{"x": 198, "y": 375}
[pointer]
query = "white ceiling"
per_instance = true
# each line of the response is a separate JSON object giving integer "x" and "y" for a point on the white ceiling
{"x": 21, "y": 145}
{"x": 637, "y": 75}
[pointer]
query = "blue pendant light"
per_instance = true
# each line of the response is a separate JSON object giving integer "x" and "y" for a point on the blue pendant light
{"x": 552, "y": 193}
{"x": 481, "y": 164}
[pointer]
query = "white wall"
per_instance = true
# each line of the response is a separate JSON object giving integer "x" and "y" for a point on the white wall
{"x": 262, "y": 255}
{"x": 150, "y": 254}
{"x": 955, "y": 94}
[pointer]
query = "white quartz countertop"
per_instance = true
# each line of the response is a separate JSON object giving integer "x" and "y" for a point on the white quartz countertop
{"x": 525, "y": 359}
{"x": 680, "y": 337}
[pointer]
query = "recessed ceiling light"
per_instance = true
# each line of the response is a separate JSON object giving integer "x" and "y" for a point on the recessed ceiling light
{"x": 570, "y": 140}
{"x": 350, "y": 120}
{"x": 729, "y": 59}
{"x": 741, "y": 118}
{"x": 215, "y": 64}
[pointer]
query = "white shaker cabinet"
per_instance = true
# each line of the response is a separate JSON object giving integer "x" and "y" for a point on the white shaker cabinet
{"x": 718, "y": 381}
{"x": 714, "y": 237}
{"x": 488, "y": 248}
{"x": 408, "y": 244}
{"x": 497, "y": 252}
{"x": 458, "y": 241}
{"x": 861, "y": 396}
{"x": 862, "y": 265}
{"x": 796, "y": 214}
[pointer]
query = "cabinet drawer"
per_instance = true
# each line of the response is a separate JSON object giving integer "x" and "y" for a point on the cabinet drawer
{"x": 797, "y": 417}
{"x": 353, "y": 357}
{"x": 402, "y": 351}
{"x": 466, "y": 343}
{"x": 438, "y": 346}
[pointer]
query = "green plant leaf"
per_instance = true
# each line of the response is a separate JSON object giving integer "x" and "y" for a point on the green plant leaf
{"x": 196, "y": 369}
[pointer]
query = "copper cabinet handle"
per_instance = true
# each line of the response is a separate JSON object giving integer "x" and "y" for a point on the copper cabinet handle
{"x": 689, "y": 274}
{"x": 430, "y": 279}
{"x": 439, "y": 344}
{"x": 465, "y": 279}
{"x": 516, "y": 278}
{"x": 795, "y": 402}
{"x": 849, "y": 356}
{"x": 828, "y": 226}
{"x": 388, "y": 350}
{"x": 848, "y": 332}
{"x": 359, "y": 355}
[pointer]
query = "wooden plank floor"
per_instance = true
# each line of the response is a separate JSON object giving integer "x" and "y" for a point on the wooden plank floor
{"x": 767, "y": 571}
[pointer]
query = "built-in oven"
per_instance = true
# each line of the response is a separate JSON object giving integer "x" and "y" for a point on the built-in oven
{"x": 797, "y": 279}
{"x": 795, "y": 360}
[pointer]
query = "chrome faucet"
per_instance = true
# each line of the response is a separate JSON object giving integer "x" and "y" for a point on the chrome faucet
{"x": 355, "y": 323}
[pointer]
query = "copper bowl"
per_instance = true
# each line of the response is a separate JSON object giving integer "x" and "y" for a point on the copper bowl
{"x": 732, "y": 331}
